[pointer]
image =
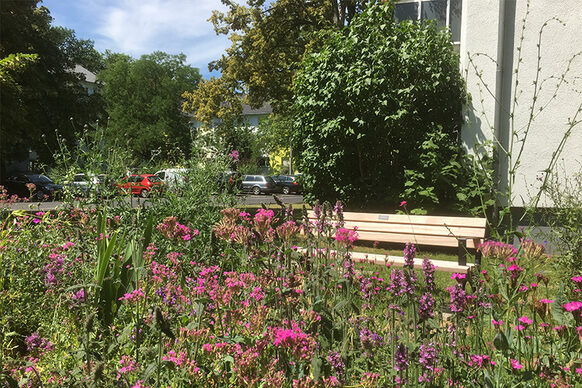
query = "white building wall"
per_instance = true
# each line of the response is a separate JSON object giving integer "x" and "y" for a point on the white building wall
{"x": 560, "y": 42}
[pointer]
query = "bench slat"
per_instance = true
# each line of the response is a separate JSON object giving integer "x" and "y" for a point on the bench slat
{"x": 412, "y": 219}
{"x": 435, "y": 230}
{"x": 422, "y": 240}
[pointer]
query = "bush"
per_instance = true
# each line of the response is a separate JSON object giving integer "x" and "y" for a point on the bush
{"x": 378, "y": 114}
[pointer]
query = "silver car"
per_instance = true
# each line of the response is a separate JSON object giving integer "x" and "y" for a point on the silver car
{"x": 258, "y": 184}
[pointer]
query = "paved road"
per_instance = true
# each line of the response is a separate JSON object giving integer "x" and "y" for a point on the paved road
{"x": 136, "y": 201}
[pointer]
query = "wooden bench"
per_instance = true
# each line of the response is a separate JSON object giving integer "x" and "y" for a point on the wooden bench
{"x": 465, "y": 233}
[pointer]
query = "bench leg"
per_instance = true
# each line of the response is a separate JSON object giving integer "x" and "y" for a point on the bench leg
{"x": 462, "y": 251}
{"x": 478, "y": 256}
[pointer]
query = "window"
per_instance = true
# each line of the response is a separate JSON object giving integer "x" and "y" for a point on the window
{"x": 446, "y": 13}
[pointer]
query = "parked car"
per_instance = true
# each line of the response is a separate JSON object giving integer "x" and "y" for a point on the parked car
{"x": 229, "y": 181}
{"x": 141, "y": 185}
{"x": 84, "y": 184}
{"x": 287, "y": 183}
{"x": 258, "y": 184}
{"x": 173, "y": 177}
{"x": 33, "y": 186}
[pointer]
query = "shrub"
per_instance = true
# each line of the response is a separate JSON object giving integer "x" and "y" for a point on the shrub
{"x": 378, "y": 115}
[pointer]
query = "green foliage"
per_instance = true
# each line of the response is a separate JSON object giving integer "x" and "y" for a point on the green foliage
{"x": 378, "y": 114}
{"x": 565, "y": 220}
{"x": 143, "y": 98}
{"x": 45, "y": 93}
{"x": 269, "y": 41}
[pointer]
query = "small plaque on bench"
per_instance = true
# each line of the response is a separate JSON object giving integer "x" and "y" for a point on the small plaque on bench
{"x": 383, "y": 217}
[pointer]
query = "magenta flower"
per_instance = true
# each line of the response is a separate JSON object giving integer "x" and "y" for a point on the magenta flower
{"x": 403, "y": 203}
{"x": 459, "y": 277}
{"x": 346, "y": 237}
{"x": 516, "y": 365}
{"x": 300, "y": 344}
{"x": 525, "y": 320}
{"x": 577, "y": 279}
{"x": 572, "y": 306}
{"x": 128, "y": 365}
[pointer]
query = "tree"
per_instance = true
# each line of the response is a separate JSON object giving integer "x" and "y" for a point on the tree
{"x": 40, "y": 92}
{"x": 269, "y": 41}
{"x": 378, "y": 114}
{"x": 143, "y": 100}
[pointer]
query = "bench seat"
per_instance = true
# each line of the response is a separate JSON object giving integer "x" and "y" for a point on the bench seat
{"x": 465, "y": 233}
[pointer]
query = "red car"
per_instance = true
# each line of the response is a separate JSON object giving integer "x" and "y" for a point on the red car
{"x": 141, "y": 184}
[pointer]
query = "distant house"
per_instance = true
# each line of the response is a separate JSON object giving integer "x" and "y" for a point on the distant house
{"x": 88, "y": 79}
{"x": 249, "y": 117}
{"x": 488, "y": 35}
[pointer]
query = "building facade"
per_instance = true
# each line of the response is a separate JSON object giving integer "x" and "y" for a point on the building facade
{"x": 522, "y": 63}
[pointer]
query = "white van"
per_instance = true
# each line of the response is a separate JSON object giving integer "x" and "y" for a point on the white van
{"x": 173, "y": 177}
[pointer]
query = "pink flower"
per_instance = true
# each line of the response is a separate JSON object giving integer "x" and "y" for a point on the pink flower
{"x": 497, "y": 324}
{"x": 546, "y": 301}
{"x": 525, "y": 320}
{"x": 515, "y": 364}
{"x": 346, "y": 236}
{"x": 577, "y": 279}
{"x": 572, "y": 306}
{"x": 403, "y": 203}
{"x": 234, "y": 155}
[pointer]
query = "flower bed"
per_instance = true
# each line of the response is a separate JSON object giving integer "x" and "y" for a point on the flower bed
{"x": 90, "y": 298}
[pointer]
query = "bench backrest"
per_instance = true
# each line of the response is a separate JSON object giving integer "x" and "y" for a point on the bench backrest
{"x": 420, "y": 230}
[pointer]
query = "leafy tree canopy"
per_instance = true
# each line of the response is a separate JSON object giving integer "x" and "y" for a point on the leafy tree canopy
{"x": 378, "y": 114}
{"x": 269, "y": 40}
{"x": 143, "y": 99}
{"x": 39, "y": 92}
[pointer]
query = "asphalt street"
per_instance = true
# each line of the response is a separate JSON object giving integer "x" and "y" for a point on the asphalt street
{"x": 136, "y": 201}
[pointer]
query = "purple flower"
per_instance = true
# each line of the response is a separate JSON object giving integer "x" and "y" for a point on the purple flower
{"x": 458, "y": 298}
{"x": 398, "y": 284}
{"x": 78, "y": 297}
{"x": 428, "y": 270}
{"x": 234, "y": 155}
{"x": 425, "y": 306}
{"x": 409, "y": 254}
{"x": 428, "y": 356}
{"x": 34, "y": 341}
{"x": 369, "y": 339}
{"x": 401, "y": 357}
{"x": 337, "y": 364}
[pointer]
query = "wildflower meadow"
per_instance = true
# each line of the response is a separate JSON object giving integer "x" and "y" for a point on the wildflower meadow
{"x": 266, "y": 298}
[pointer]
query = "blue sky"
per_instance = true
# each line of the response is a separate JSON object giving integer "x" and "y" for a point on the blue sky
{"x": 137, "y": 27}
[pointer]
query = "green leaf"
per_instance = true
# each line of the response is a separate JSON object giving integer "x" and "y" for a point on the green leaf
{"x": 316, "y": 368}
{"x": 500, "y": 341}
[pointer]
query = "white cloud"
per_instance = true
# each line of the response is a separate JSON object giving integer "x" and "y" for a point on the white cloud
{"x": 139, "y": 27}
